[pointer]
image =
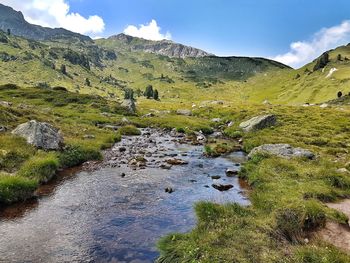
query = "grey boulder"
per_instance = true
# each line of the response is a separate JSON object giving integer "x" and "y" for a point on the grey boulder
{"x": 40, "y": 134}
{"x": 258, "y": 123}
{"x": 129, "y": 105}
{"x": 184, "y": 112}
{"x": 282, "y": 150}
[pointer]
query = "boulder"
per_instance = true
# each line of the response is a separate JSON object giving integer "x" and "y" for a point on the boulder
{"x": 176, "y": 161}
{"x": 5, "y": 103}
{"x": 282, "y": 150}
{"x": 258, "y": 123}
{"x": 40, "y": 134}
{"x": 3, "y": 128}
{"x": 129, "y": 105}
{"x": 216, "y": 120}
{"x": 184, "y": 112}
{"x": 231, "y": 172}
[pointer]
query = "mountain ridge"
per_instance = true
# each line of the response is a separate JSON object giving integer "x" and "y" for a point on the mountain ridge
{"x": 16, "y": 23}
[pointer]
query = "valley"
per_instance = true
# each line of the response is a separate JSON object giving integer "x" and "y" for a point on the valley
{"x": 123, "y": 149}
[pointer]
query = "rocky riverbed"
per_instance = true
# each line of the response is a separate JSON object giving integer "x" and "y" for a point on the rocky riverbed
{"x": 117, "y": 209}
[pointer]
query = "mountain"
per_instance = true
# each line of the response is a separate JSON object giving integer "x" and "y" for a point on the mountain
{"x": 14, "y": 20}
{"x": 163, "y": 47}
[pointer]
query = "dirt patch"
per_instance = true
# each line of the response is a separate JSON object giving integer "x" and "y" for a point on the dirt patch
{"x": 336, "y": 234}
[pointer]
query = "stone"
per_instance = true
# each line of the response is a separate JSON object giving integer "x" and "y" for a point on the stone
{"x": 231, "y": 172}
{"x": 111, "y": 127}
{"x": 217, "y": 134}
{"x": 148, "y": 115}
{"x": 89, "y": 136}
{"x": 165, "y": 166}
{"x": 230, "y": 124}
{"x": 282, "y": 150}
{"x": 343, "y": 170}
{"x": 215, "y": 177}
{"x": 5, "y": 103}
{"x": 324, "y": 105}
{"x": 176, "y": 161}
{"x": 122, "y": 149}
{"x": 40, "y": 134}
{"x": 169, "y": 190}
{"x": 258, "y": 123}
{"x": 129, "y": 105}
{"x": 3, "y": 129}
{"x": 184, "y": 112}
{"x": 216, "y": 120}
{"x": 125, "y": 120}
{"x": 222, "y": 187}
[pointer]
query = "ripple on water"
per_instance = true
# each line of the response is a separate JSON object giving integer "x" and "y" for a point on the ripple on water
{"x": 101, "y": 216}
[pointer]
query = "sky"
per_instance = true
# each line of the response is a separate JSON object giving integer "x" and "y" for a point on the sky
{"x": 293, "y": 32}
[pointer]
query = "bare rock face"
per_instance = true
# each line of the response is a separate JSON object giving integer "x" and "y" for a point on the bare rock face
{"x": 40, "y": 134}
{"x": 282, "y": 150}
{"x": 258, "y": 123}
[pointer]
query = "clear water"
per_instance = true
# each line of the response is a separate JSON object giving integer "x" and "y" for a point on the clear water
{"x": 102, "y": 217}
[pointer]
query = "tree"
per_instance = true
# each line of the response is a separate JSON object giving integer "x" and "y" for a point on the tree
{"x": 322, "y": 61}
{"x": 339, "y": 94}
{"x": 149, "y": 92}
{"x": 9, "y": 32}
{"x": 63, "y": 69}
{"x": 87, "y": 82}
{"x": 339, "y": 57}
{"x": 129, "y": 94}
{"x": 155, "y": 95}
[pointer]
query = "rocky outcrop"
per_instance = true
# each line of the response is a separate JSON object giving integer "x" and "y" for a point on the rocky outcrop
{"x": 40, "y": 134}
{"x": 258, "y": 123}
{"x": 163, "y": 47}
{"x": 282, "y": 150}
{"x": 129, "y": 105}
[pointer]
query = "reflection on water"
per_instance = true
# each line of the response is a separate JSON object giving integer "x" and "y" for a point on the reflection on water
{"x": 103, "y": 217}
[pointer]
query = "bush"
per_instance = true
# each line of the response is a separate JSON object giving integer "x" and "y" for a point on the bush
{"x": 15, "y": 188}
{"x": 41, "y": 167}
{"x": 74, "y": 155}
{"x": 129, "y": 130}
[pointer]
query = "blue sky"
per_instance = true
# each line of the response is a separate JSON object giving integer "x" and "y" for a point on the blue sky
{"x": 264, "y": 28}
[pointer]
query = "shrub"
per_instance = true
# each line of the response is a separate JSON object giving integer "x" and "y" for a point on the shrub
{"x": 339, "y": 94}
{"x": 15, "y": 188}
{"x": 74, "y": 155}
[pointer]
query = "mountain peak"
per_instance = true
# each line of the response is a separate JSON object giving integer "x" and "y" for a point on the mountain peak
{"x": 163, "y": 47}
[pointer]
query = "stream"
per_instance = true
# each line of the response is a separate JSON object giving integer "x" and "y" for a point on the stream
{"x": 117, "y": 209}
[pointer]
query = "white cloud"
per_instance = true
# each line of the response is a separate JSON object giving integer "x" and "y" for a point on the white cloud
{"x": 302, "y": 52}
{"x": 55, "y": 13}
{"x": 149, "y": 31}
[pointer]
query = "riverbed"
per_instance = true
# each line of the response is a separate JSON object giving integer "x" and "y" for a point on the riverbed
{"x": 117, "y": 209}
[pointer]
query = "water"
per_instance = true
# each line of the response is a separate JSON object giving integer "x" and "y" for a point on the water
{"x": 99, "y": 216}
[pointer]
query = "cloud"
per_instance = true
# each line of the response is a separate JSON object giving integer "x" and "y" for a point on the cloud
{"x": 302, "y": 52}
{"x": 55, "y": 13}
{"x": 149, "y": 31}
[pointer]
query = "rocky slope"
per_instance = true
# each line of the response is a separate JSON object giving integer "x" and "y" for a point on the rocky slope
{"x": 14, "y": 20}
{"x": 163, "y": 47}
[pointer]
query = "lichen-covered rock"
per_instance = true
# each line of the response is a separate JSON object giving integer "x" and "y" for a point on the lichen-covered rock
{"x": 129, "y": 105}
{"x": 258, "y": 123}
{"x": 40, "y": 134}
{"x": 282, "y": 150}
{"x": 184, "y": 112}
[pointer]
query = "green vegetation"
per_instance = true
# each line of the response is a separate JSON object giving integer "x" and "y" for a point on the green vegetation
{"x": 89, "y": 80}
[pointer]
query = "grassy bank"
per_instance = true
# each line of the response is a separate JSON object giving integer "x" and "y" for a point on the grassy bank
{"x": 287, "y": 196}
{"x": 22, "y": 167}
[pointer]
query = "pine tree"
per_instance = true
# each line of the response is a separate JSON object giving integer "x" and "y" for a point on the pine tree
{"x": 155, "y": 95}
{"x": 63, "y": 69}
{"x": 149, "y": 92}
{"x": 87, "y": 82}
